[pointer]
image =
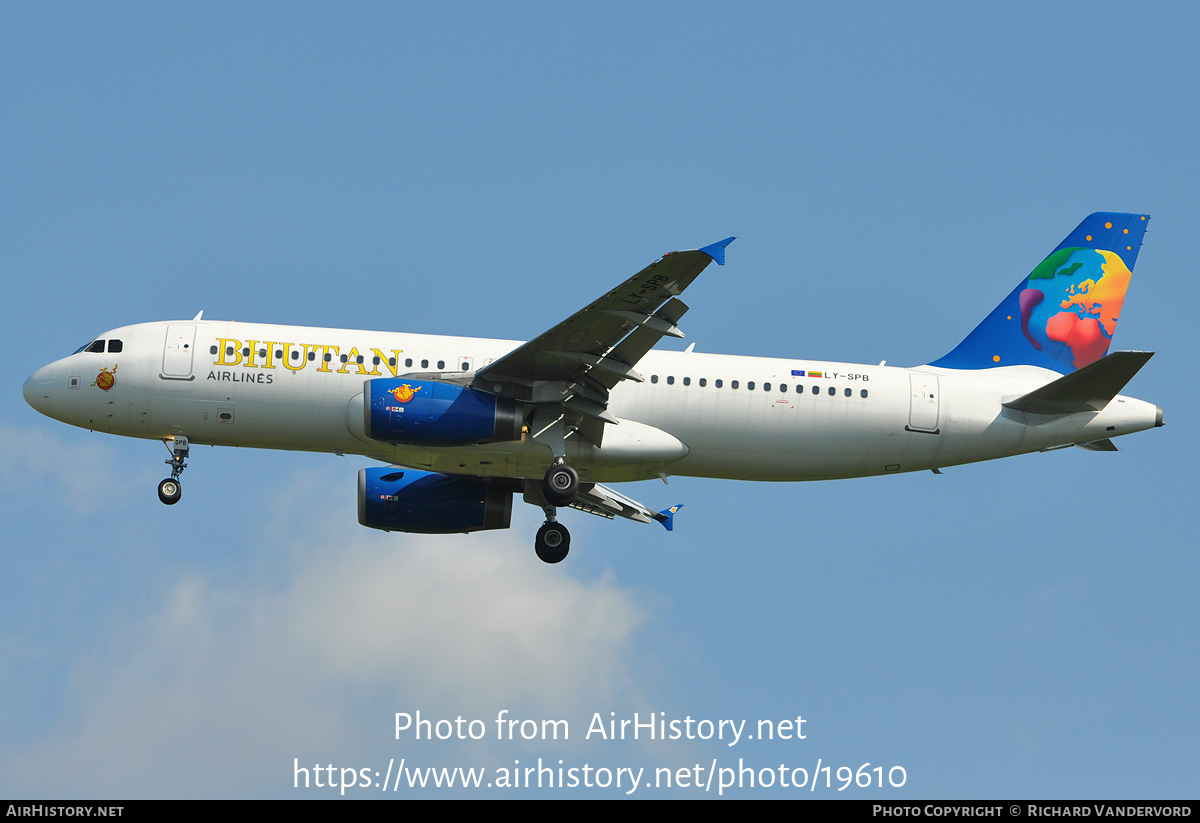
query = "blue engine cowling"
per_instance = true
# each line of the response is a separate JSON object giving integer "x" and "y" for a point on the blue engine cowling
{"x": 428, "y": 411}
{"x": 410, "y": 500}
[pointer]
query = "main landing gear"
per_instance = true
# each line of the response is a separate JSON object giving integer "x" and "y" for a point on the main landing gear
{"x": 559, "y": 487}
{"x": 169, "y": 490}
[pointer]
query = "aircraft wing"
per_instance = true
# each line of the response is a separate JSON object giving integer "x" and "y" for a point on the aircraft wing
{"x": 607, "y": 502}
{"x": 575, "y": 363}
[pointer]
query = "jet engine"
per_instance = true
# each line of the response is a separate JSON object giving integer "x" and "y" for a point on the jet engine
{"x": 429, "y": 411}
{"x": 409, "y": 500}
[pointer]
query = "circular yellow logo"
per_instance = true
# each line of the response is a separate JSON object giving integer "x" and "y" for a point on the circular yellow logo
{"x": 106, "y": 379}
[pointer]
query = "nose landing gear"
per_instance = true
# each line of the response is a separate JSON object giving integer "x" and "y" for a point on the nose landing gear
{"x": 170, "y": 490}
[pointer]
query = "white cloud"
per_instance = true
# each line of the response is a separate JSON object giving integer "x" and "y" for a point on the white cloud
{"x": 214, "y": 692}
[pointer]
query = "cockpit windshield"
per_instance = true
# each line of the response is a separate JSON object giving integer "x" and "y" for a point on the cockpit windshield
{"x": 97, "y": 346}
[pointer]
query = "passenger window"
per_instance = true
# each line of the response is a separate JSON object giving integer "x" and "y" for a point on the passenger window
{"x": 328, "y": 357}
{"x": 766, "y": 386}
{"x": 466, "y": 366}
{"x": 849, "y": 393}
{"x": 750, "y": 386}
{"x": 703, "y": 382}
{"x": 783, "y": 387}
{"x": 115, "y": 346}
{"x": 687, "y": 381}
{"x": 212, "y": 349}
{"x": 392, "y": 362}
{"x": 832, "y": 391}
{"x": 279, "y": 354}
{"x": 246, "y": 351}
{"x": 424, "y": 364}
{"x": 375, "y": 360}
{"x": 359, "y": 360}
{"x": 312, "y": 355}
{"x": 862, "y": 393}
{"x": 408, "y": 362}
{"x": 816, "y": 389}
{"x": 654, "y": 378}
{"x": 343, "y": 358}
{"x": 670, "y": 380}
{"x": 295, "y": 355}
{"x": 441, "y": 365}
{"x": 719, "y": 382}
{"x": 263, "y": 353}
{"x": 733, "y": 384}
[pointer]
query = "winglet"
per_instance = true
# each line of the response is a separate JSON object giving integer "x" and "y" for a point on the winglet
{"x": 717, "y": 250}
{"x": 667, "y": 516}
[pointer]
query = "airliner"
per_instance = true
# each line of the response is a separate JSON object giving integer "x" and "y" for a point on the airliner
{"x": 463, "y": 424}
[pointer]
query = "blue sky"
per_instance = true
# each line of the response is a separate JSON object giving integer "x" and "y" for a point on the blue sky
{"x": 1018, "y": 628}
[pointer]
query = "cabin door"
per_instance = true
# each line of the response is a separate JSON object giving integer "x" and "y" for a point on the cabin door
{"x": 923, "y": 403}
{"x": 178, "y": 349}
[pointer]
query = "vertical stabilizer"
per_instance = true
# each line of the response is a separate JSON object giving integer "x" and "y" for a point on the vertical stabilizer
{"x": 1063, "y": 315}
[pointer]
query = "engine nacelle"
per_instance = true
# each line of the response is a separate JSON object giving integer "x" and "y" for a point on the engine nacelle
{"x": 428, "y": 411}
{"x": 410, "y": 500}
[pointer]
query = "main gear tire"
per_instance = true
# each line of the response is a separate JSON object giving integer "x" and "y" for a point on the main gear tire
{"x": 560, "y": 485}
{"x": 552, "y": 543}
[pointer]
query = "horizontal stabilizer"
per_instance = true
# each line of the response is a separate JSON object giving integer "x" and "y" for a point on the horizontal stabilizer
{"x": 1086, "y": 389}
{"x": 1104, "y": 445}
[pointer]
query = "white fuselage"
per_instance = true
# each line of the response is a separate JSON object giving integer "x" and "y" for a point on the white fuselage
{"x": 287, "y": 387}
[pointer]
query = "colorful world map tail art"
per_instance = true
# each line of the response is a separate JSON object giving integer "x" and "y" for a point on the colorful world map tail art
{"x": 1063, "y": 315}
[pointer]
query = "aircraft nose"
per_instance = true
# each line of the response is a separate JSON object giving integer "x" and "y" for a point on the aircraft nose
{"x": 37, "y": 391}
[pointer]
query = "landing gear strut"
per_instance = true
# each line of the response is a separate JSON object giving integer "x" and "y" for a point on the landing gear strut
{"x": 170, "y": 490}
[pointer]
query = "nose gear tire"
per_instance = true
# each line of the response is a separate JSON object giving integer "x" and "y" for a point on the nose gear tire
{"x": 169, "y": 491}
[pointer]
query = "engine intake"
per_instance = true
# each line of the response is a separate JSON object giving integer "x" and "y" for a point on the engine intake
{"x": 428, "y": 411}
{"x": 410, "y": 500}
